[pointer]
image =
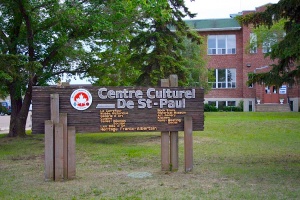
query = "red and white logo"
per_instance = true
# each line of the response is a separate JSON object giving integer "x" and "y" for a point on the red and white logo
{"x": 81, "y": 99}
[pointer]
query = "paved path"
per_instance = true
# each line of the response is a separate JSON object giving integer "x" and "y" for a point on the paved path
{"x": 4, "y": 123}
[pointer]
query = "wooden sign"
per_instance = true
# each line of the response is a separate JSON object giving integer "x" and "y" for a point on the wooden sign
{"x": 120, "y": 109}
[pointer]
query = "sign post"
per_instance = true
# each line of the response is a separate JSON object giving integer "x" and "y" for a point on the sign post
{"x": 165, "y": 139}
{"x": 188, "y": 143}
{"x": 174, "y": 134}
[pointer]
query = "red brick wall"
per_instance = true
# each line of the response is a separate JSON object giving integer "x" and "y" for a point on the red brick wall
{"x": 226, "y": 62}
{"x": 239, "y": 61}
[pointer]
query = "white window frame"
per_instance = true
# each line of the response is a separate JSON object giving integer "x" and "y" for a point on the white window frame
{"x": 215, "y": 85}
{"x": 221, "y": 51}
{"x": 226, "y": 103}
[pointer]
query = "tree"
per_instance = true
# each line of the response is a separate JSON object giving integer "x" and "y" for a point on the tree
{"x": 286, "y": 51}
{"x": 152, "y": 49}
{"x": 114, "y": 69}
{"x": 157, "y": 52}
{"x": 265, "y": 36}
{"x": 41, "y": 39}
{"x": 197, "y": 72}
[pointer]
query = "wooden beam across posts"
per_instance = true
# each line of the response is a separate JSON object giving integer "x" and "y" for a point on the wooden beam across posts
{"x": 58, "y": 152}
{"x": 174, "y": 134}
{"x": 49, "y": 153}
{"x": 64, "y": 121}
{"x": 165, "y": 139}
{"x": 71, "y": 153}
{"x": 188, "y": 143}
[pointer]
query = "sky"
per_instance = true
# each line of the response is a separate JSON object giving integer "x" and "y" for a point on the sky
{"x": 214, "y": 9}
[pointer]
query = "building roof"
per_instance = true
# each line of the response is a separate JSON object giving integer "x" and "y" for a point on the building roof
{"x": 214, "y": 24}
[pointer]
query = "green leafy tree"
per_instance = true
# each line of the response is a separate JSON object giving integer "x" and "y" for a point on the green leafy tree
{"x": 197, "y": 73}
{"x": 42, "y": 39}
{"x": 264, "y": 34}
{"x": 114, "y": 69}
{"x": 286, "y": 51}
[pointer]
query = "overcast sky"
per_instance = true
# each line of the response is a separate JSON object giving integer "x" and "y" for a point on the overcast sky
{"x": 212, "y": 9}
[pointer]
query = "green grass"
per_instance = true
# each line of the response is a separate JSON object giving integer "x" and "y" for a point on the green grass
{"x": 238, "y": 156}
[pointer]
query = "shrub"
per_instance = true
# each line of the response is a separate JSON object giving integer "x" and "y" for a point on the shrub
{"x": 241, "y": 105}
{"x": 232, "y": 109}
{"x": 210, "y": 108}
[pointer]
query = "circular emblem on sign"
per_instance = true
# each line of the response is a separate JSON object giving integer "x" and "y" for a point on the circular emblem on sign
{"x": 81, "y": 99}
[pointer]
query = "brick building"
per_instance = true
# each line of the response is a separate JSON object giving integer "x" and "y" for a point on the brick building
{"x": 231, "y": 63}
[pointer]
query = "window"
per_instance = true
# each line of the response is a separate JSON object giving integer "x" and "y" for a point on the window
{"x": 212, "y": 103}
{"x": 266, "y": 47}
{"x": 250, "y": 77}
{"x": 267, "y": 44}
{"x": 221, "y": 104}
{"x": 231, "y": 103}
{"x": 223, "y": 78}
{"x": 250, "y": 106}
{"x": 221, "y": 44}
{"x": 267, "y": 90}
{"x": 253, "y": 43}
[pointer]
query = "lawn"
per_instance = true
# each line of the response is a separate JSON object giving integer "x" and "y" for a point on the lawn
{"x": 237, "y": 156}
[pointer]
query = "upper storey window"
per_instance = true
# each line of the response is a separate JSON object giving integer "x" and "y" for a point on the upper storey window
{"x": 269, "y": 42}
{"x": 253, "y": 43}
{"x": 221, "y": 44}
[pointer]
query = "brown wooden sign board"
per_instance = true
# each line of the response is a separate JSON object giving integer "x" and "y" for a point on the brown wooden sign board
{"x": 120, "y": 109}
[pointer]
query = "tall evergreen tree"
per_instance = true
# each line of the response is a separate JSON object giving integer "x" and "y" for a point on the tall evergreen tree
{"x": 156, "y": 51}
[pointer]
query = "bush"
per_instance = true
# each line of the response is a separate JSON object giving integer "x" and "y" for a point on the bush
{"x": 241, "y": 105}
{"x": 232, "y": 109}
{"x": 210, "y": 108}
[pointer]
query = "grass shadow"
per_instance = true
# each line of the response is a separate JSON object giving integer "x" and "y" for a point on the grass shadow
{"x": 123, "y": 138}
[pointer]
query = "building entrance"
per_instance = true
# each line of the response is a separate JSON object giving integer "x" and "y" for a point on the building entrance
{"x": 271, "y": 94}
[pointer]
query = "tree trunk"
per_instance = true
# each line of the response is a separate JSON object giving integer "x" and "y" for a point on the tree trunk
{"x": 19, "y": 110}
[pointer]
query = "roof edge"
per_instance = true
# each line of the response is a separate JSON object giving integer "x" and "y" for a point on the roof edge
{"x": 219, "y": 29}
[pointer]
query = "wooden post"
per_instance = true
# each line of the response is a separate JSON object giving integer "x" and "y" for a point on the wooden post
{"x": 173, "y": 80}
{"x": 71, "y": 152}
{"x": 174, "y": 150}
{"x": 54, "y": 108}
{"x": 49, "y": 153}
{"x": 64, "y": 121}
{"x": 174, "y": 134}
{"x": 188, "y": 143}
{"x": 165, "y": 139}
{"x": 165, "y": 153}
{"x": 58, "y": 149}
